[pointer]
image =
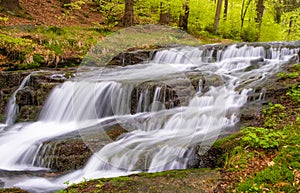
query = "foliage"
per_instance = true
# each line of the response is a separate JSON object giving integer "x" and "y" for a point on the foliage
{"x": 296, "y": 67}
{"x": 279, "y": 138}
{"x": 249, "y": 34}
{"x": 273, "y": 115}
{"x": 112, "y": 11}
{"x": 257, "y": 137}
{"x": 5, "y": 19}
{"x": 202, "y": 13}
{"x": 284, "y": 75}
{"x": 283, "y": 174}
{"x": 294, "y": 93}
{"x": 75, "y": 5}
{"x": 33, "y": 47}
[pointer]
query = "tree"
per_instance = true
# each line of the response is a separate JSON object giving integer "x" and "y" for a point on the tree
{"x": 225, "y": 10}
{"x": 10, "y": 5}
{"x": 164, "y": 16}
{"x": 217, "y": 15}
{"x": 259, "y": 15}
{"x": 245, "y": 6}
{"x": 184, "y": 18}
{"x": 128, "y": 18}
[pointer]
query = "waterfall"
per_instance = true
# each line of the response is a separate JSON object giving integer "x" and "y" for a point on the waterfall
{"x": 12, "y": 108}
{"x": 158, "y": 138}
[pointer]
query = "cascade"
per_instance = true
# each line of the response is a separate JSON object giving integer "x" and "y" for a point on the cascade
{"x": 158, "y": 138}
{"x": 12, "y": 108}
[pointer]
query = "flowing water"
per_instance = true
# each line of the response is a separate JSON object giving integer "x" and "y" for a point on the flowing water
{"x": 161, "y": 133}
{"x": 12, "y": 107}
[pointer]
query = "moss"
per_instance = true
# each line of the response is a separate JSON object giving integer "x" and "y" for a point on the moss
{"x": 167, "y": 181}
{"x": 55, "y": 30}
{"x": 284, "y": 75}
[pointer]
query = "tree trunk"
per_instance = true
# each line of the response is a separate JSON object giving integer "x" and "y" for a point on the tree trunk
{"x": 217, "y": 16}
{"x": 225, "y": 10}
{"x": 164, "y": 16}
{"x": 259, "y": 15}
{"x": 10, "y": 5}
{"x": 290, "y": 27}
{"x": 244, "y": 12}
{"x": 128, "y": 18}
{"x": 184, "y": 19}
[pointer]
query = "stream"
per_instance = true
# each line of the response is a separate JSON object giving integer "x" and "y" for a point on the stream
{"x": 164, "y": 124}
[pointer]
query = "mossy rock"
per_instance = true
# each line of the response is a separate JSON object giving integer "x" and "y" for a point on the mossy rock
{"x": 192, "y": 180}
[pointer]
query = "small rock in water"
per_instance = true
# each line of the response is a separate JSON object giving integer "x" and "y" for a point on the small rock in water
{"x": 1, "y": 184}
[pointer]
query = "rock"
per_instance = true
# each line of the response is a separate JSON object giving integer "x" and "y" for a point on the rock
{"x": 1, "y": 184}
{"x": 132, "y": 57}
{"x": 71, "y": 151}
{"x": 31, "y": 98}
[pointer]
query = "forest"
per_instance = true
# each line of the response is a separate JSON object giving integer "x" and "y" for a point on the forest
{"x": 242, "y": 20}
{"x": 149, "y": 96}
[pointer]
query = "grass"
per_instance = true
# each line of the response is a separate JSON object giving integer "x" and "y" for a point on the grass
{"x": 29, "y": 47}
{"x": 267, "y": 158}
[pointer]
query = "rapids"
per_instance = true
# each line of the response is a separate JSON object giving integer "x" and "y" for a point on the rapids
{"x": 159, "y": 138}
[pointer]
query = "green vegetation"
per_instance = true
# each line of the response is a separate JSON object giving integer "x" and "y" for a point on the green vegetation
{"x": 242, "y": 20}
{"x": 257, "y": 137}
{"x": 266, "y": 158}
{"x": 284, "y": 75}
{"x": 294, "y": 93}
{"x": 36, "y": 47}
{"x": 283, "y": 172}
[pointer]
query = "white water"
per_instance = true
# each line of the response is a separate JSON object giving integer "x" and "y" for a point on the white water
{"x": 12, "y": 108}
{"x": 164, "y": 139}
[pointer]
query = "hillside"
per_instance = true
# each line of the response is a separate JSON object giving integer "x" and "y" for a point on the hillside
{"x": 52, "y": 13}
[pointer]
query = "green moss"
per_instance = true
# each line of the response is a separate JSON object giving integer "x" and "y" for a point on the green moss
{"x": 56, "y": 30}
{"x": 32, "y": 65}
{"x": 294, "y": 93}
{"x": 285, "y": 75}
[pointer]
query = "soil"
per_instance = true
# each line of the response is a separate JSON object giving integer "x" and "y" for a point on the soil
{"x": 53, "y": 13}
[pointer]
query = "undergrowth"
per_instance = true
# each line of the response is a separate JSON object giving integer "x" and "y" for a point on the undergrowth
{"x": 278, "y": 139}
{"x": 39, "y": 46}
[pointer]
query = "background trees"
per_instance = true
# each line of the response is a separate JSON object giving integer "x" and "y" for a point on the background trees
{"x": 246, "y": 20}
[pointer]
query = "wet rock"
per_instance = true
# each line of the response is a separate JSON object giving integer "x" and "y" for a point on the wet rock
{"x": 31, "y": 98}
{"x": 250, "y": 114}
{"x": 1, "y": 184}
{"x": 71, "y": 151}
{"x": 131, "y": 58}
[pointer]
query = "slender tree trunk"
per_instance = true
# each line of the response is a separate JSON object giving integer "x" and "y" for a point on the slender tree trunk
{"x": 10, "y": 5}
{"x": 164, "y": 16}
{"x": 217, "y": 16}
{"x": 259, "y": 15}
{"x": 290, "y": 26}
{"x": 244, "y": 12}
{"x": 184, "y": 19}
{"x": 225, "y": 10}
{"x": 128, "y": 18}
